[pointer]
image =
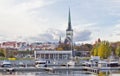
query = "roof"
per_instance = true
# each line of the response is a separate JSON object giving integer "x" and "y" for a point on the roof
{"x": 54, "y": 52}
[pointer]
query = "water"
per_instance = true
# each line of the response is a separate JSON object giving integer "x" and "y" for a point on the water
{"x": 47, "y": 73}
{"x": 58, "y": 73}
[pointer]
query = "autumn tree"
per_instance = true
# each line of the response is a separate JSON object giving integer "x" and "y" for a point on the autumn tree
{"x": 3, "y": 52}
{"x": 85, "y": 47}
{"x": 117, "y": 52}
{"x": 102, "y": 49}
{"x": 94, "y": 51}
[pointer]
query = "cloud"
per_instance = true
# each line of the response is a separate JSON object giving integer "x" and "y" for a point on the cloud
{"x": 22, "y": 19}
{"x": 113, "y": 33}
{"x": 116, "y": 30}
{"x": 17, "y": 19}
{"x": 52, "y": 35}
{"x": 84, "y": 35}
{"x": 30, "y": 5}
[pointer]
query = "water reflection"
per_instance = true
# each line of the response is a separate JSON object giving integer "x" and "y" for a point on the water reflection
{"x": 60, "y": 73}
{"x": 104, "y": 73}
{"x": 48, "y": 73}
{"x": 109, "y": 73}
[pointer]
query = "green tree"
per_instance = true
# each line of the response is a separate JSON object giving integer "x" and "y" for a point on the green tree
{"x": 1, "y": 54}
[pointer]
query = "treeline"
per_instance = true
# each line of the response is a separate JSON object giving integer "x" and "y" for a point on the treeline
{"x": 104, "y": 49}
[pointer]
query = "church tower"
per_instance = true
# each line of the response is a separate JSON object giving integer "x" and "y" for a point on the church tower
{"x": 69, "y": 32}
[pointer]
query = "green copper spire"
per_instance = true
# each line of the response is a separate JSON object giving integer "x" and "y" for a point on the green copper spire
{"x": 69, "y": 22}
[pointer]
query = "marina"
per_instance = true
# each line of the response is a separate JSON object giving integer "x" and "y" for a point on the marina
{"x": 34, "y": 39}
{"x": 58, "y": 68}
{"x": 93, "y": 66}
{"x": 58, "y": 71}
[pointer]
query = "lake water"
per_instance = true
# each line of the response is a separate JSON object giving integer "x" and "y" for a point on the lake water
{"x": 57, "y": 73}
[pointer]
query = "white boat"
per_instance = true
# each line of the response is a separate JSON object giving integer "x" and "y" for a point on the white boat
{"x": 6, "y": 64}
{"x": 102, "y": 63}
{"x": 21, "y": 64}
{"x": 108, "y": 63}
{"x": 71, "y": 63}
{"x": 40, "y": 63}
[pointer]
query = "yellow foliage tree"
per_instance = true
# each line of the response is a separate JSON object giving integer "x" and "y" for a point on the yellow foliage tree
{"x": 117, "y": 51}
{"x": 95, "y": 51}
{"x": 3, "y": 51}
{"x": 102, "y": 49}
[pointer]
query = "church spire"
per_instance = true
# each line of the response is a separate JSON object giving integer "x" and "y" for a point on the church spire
{"x": 69, "y": 22}
{"x": 60, "y": 40}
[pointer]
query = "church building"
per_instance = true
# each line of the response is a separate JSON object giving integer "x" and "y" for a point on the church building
{"x": 69, "y": 33}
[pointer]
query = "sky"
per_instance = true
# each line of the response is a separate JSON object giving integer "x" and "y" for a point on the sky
{"x": 47, "y": 20}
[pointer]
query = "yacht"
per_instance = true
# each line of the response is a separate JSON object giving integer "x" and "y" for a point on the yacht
{"x": 71, "y": 63}
{"x": 40, "y": 63}
{"x": 6, "y": 64}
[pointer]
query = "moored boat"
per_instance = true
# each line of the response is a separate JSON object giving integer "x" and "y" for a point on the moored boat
{"x": 40, "y": 63}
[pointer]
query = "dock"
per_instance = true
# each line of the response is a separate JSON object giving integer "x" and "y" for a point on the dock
{"x": 34, "y": 69}
{"x": 94, "y": 70}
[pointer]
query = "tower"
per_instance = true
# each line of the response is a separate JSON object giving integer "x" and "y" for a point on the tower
{"x": 69, "y": 32}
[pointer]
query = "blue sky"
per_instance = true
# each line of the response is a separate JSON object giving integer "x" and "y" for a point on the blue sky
{"x": 46, "y": 20}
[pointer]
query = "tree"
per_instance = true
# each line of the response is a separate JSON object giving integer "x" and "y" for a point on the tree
{"x": 3, "y": 52}
{"x": 85, "y": 47}
{"x": 117, "y": 52}
{"x": 94, "y": 50}
{"x": 102, "y": 49}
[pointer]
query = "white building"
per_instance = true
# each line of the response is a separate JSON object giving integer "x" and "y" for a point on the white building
{"x": 53, "y": 55}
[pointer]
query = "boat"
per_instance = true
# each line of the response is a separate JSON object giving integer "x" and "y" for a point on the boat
{"x": 112, "y": 63}
{"x": 6, "y": 64}
{"x": 102, "y": 63}
{"x": 71, "y": 63}
{"x": 21, "y": 64}
{"x": 40, "y": 63}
